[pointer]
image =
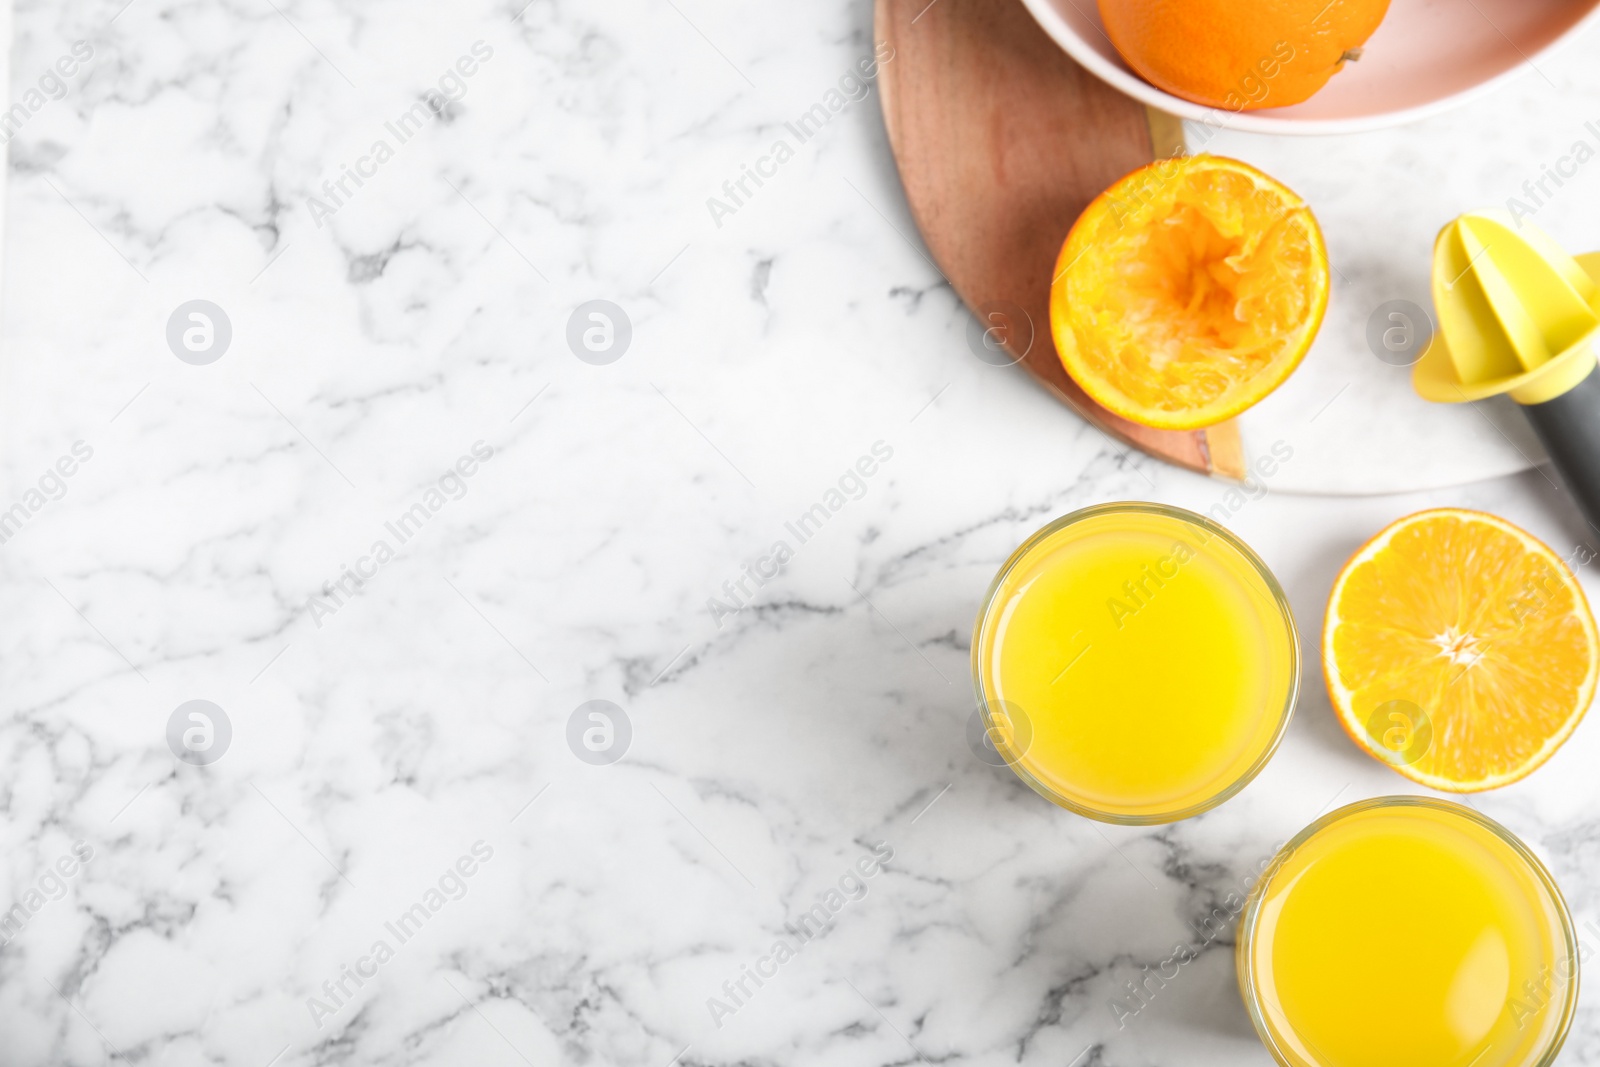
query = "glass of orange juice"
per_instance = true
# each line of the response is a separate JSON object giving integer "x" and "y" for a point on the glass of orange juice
{"x": 1135, "y": 663}
{"x": 1408, "y": 930}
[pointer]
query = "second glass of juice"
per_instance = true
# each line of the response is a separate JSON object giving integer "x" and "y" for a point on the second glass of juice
{"x": 1408, "y": 930}
{"x": 1135, "y": 663}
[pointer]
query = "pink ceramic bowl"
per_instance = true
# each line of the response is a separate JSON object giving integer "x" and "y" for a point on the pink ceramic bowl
{"x": 1427, "y": 57}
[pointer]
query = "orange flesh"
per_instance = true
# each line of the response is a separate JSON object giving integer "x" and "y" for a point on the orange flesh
{"x": 1189, "y": 291}
{"x": 1478, "y": 624}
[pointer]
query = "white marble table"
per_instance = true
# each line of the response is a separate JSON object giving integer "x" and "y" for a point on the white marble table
{"x": 554, "y": 530}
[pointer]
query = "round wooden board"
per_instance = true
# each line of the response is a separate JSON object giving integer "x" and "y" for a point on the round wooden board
{"x": 1002, "y": 141}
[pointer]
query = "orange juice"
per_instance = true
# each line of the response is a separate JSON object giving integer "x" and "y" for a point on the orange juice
{"x": 1408, "y": 932}
{"x": 1135, "y": 663}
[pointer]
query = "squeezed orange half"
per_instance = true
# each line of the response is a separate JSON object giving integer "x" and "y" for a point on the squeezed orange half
{"x": 1188, "y": 291}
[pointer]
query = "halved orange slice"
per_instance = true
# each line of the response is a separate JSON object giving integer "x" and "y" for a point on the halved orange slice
{"x": 1188, "y": 291}
{"x": 1459, "y": 649}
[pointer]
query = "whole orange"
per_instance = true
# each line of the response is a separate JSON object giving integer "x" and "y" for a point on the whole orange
{"x": 1240, "y": 54}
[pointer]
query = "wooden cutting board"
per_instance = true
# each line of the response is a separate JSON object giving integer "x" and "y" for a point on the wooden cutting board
{"x": 1002, "y": 141}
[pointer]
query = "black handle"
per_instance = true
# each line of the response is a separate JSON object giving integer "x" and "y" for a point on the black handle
{"x": 1569, "y": 427}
